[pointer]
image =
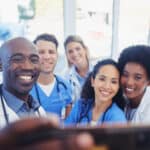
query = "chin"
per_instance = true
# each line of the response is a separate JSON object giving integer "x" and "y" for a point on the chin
{"x": 130, "y": 97}
{"x": 25, "y": 89}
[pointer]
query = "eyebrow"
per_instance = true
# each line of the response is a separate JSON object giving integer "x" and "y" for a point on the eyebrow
{"x": 135, "y": 73}
{"x": 101, "y": 75}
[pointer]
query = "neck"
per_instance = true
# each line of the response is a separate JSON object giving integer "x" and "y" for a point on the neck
{"x": 82, "y": 70}
{"x": 134, "y": 104}
{"x": 24, "y": 96}
{"x": 100, "y": 108}
{"x": 45, "y": 79}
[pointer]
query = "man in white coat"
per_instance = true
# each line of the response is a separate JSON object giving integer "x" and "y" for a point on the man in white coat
{"x": 20, "y": 65}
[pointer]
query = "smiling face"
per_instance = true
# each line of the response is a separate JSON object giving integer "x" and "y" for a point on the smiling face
{"x": 134, "y": 81}
{"x": 20, "y": 66}
{"x": 48, "y": 56}
{"x": 76, "y": 54}
{"x": 106, "y": 83}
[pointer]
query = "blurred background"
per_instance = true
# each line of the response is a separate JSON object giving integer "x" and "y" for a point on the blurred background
{"x": 106, "y": 26}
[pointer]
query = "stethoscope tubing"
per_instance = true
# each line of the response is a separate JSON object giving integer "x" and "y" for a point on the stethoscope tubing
{"x": 85, "y": 115}
{"x": 58, "y": 83}
{"x": 4, "y": 109}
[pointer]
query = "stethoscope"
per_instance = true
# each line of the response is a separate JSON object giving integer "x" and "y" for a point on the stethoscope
{"x": 58, "y": 84}
{"x": 76, "y": 87}
{"x": 4, "y": 107}
{"x": 84, "y": 113}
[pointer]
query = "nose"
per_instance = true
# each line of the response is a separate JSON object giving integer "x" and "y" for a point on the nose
{"x": 74, "y": 53}
{"x": 28, "y": 64}
{"x": 130, "y": 81}
{"x": 46, "y": 56}
{"x": 107, "y": 84}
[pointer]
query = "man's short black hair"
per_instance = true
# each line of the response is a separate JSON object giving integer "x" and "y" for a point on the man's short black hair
{"x": 46, "y": 37}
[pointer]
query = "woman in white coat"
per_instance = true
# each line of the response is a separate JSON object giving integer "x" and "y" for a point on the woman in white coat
{"x": 78, "y": 61}
{"x": 134, "y": 63}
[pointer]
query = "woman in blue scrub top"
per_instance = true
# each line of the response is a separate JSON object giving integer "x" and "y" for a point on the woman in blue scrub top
{"x": 101, "y": 97}
{"x": 53, "y": 92}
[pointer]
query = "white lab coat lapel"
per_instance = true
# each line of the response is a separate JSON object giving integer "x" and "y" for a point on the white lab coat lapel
{"x": 12, "y": 116}
{"x": 142, "y": 114}
{"x": 41, "y": 112}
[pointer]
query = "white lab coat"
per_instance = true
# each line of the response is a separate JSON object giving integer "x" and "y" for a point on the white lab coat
{"x": 12, "y": 116}
{"x": 1, "y": 77}
{"x": 142, "y": 114}
{"x": 75, "y": 84}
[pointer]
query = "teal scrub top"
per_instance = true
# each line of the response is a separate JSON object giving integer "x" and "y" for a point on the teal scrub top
{"x": 82, "y": 114}
{"x": 57, "y": 100}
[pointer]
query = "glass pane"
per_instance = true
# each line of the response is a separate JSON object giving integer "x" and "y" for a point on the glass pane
{"x": 48, "y": 18}
{"x": 9, "y": 20}
{"x": 94, "y": 25}
{"x": 30, "y": 18}
{"x": 134, "y": 24}
{"x": 26, "y": 9}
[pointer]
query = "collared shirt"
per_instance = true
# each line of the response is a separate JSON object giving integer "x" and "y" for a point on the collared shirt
{"x": 20, "y": 107}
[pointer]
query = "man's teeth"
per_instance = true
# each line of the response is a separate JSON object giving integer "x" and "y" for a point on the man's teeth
{"x": 26, "y": 77}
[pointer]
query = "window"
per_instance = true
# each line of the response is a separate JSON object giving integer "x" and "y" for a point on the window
{"x": 94, "y": 25}
{"x": 134, "y": 23}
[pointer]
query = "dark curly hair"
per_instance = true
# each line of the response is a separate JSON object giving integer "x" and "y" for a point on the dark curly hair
{"x": 138, "y": 54}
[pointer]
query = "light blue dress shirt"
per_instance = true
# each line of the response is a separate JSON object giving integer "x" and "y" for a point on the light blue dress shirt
{"x": 19, "y": 106}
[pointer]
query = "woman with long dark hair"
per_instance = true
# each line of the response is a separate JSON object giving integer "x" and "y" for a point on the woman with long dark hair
{"x": 101, "y": 97}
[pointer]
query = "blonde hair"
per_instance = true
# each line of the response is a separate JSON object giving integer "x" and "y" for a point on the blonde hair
{"x": 78, "y": 39}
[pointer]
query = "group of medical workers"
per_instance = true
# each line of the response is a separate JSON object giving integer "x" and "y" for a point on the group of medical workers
{"x": 107, "y": 92}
